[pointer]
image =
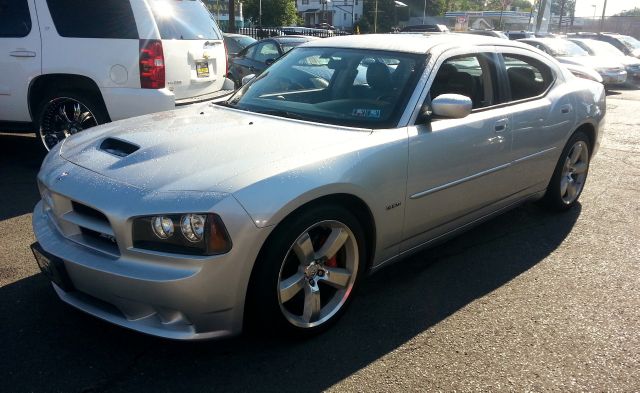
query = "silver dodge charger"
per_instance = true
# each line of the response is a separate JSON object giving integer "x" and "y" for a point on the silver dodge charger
{"x": 269, "y": 209}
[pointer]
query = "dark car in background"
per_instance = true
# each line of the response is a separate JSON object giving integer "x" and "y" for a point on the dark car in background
{"x": 261, "y": 54}
{"x": 235, "y": 43}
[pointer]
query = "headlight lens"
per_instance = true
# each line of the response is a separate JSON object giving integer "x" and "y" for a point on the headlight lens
{"x": 192, "y": 226}
{"x": 190, "y": 234}
{"x": 162, "y": 227}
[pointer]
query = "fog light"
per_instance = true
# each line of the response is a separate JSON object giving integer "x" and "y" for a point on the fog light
{"x": 193, "y": 227}
{"x": 162, "y": 227}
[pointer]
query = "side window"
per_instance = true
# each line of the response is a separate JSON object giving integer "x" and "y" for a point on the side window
{"x": 528, "y": 77}
{"x": 265, "y": 51}
{"x": 473, "y": 76}
{"x": 15, "y": 20}
{"x": 93, "y": 18}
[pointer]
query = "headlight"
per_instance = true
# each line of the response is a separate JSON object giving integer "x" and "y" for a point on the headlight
{"x": 192, "y": 234}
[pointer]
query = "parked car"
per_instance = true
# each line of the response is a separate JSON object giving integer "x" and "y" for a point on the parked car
{"x": 605, "y": 50}
{"x": 488, "y": 33}
{"x": 624, "y": 43}
{"x": 516, "y": 35}
{"x": 269, "y": 209}
{"x": 567, "y": 52}
{"x": 235, "y": 43}
{"x": 76, "y": 66}
{"x": 436, "y": 28}
{"x": 257, "y": 57}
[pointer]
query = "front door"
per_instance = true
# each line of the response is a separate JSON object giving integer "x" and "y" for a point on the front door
{"x": 457, "y": 167}
{"x": 20, "y": 57}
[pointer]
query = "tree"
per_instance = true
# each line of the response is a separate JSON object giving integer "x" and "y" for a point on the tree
{"x": 633, "y": 12}
{"x": 274, "y": 12}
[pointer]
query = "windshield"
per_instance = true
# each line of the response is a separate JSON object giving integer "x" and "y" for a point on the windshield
{"x": 184, "y": 20}
{"x": 630, "y": 42}
{"x": 349, "y": 87}
{"x": 237, "y": 43}
{"x": 564, "y": 48}
{"x": 601, "y": 48}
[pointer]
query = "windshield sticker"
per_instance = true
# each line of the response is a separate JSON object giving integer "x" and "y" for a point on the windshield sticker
{"x": 368, "y": 113}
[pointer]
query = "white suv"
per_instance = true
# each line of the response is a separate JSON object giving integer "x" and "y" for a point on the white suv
{"x": 66, "y": 65}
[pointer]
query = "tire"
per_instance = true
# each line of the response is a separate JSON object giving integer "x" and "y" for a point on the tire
{"x": 53, "y": 127}
{"x": 303, "y": 299}
{"x": 570, "y": 174}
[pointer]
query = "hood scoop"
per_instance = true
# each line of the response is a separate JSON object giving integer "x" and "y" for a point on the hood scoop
{"x": 118, "y": 147}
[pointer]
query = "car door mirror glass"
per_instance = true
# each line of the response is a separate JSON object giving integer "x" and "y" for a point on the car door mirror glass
{"x": 248, "y": 79}
{"x": 454, "y": 106}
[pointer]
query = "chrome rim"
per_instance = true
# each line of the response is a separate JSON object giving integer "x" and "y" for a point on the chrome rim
{"x": 574, "y": 172}
{"x": 64, "y": 117}
{"x": 317, "y": 274}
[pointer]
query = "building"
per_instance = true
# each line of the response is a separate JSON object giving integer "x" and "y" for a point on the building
{"x": 342, "y": 14}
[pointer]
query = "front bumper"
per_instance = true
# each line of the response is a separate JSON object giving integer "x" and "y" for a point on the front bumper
{"x": 176, "y": 297}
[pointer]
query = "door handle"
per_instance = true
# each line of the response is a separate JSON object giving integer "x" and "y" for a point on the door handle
{"x": 501, "y": 125}
{"x": 564, "y": 109}
{"x": 22, "y": 53}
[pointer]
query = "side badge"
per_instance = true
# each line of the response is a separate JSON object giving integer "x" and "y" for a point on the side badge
{"x": 393, "y": 205}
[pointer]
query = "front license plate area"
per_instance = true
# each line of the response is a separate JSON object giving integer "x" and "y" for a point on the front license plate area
{"x": 202, "y": 69}
{"x": 52, "y": 267}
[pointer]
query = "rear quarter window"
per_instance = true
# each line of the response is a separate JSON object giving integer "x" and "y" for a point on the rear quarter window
{"x": 93, "y": 18}
{"x": 527, "y": 76}
{"x": 15, "y": 20}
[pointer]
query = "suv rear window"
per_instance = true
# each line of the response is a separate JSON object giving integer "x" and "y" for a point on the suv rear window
{"x": 184, "y": 20}
{"x": 93, "y": 18}
{"x": 15, "y": 20}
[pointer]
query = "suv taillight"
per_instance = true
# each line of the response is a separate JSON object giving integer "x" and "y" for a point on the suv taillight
{"x": 151, "y": 64}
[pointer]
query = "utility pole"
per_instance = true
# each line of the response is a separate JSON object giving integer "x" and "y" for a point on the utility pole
{"x": 375, "y": 19}
{"x": 541, "y": 8}
{"x": 604, "y": 9}
{"x": 232, "y": 16}
{"x": 561, "y": 12}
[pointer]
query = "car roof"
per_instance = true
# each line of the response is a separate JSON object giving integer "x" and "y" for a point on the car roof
{"x": 410, "y": 42}
{"x": 294, "y": 38}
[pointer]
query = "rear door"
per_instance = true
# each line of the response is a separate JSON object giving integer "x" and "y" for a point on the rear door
{"x": 20, "y": 57}
{"x": 194, "y": 53}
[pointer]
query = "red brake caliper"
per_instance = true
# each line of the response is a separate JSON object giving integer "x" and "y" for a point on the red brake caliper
{"x": 331, "y": 262}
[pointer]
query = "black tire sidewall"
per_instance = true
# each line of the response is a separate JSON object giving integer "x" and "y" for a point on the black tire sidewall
{"x": 87, "y": 99}
{"x": 552, "y": 198}
{"x": 263, "y": 309}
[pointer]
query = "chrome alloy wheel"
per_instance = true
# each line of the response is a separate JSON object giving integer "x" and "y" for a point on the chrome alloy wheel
{"x": 574, "y": 172}
{"x": 63, "y": 117}
{"x": 318, "y": 274}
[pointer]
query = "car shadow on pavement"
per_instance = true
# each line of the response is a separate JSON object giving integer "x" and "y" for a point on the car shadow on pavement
{"x": 20, "y": 159}
{"x": 51, "y": 347}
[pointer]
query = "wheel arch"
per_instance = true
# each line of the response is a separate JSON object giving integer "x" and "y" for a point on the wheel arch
{"x": 44, "y": 83}
{"x": 353, "y": 203}
{"x": 590, "y": 130}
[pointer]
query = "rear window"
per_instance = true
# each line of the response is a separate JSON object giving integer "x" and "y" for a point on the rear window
{"x": 15, "y": 20}
{"x": 184, "y": 20}
{"x": 237, "y": 43}
{"x": 93, "y": 18}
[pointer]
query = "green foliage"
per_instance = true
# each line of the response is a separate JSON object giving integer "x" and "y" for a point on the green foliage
{"x": 274, "y": 12}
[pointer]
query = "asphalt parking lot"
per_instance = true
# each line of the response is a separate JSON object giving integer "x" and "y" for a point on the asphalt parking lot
{"x": 530, "y": 301}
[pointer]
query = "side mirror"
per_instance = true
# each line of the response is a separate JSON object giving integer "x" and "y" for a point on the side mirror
{"x": 248, "y": 79}
{"x": 454, "y": 106}
{"x": 268, "y": 62}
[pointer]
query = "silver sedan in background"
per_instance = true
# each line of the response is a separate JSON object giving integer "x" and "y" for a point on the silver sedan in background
{"x": 268, "y": 210}
{"x": 569, "y": 53}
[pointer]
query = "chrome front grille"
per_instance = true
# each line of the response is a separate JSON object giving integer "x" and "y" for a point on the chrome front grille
{"x": 80, "y": 223}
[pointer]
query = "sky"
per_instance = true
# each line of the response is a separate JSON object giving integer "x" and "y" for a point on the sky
{"x": 585, "y": 7}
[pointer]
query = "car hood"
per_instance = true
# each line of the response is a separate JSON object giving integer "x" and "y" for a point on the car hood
{"x": 629, "y": 61}
{"x": 205, "y": 148}
{"x": 590, "y": 61}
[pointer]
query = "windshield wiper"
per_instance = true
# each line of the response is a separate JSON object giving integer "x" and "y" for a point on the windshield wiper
{"x": 290, "y": 115}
